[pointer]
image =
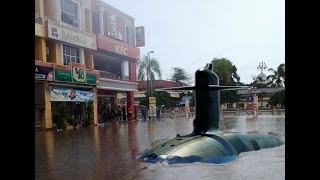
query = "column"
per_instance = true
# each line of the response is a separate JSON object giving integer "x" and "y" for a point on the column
{"x": 95, "y": 106}
{"x": 82, "y": 16}
{"x": 41, "y": 8}
{"x": 40, "y": 49}
{"x": 57, "y": 53}
{"x": 101, "y": 11}
{"x": 130, "y": 102}
{"x": 47, "y": 111}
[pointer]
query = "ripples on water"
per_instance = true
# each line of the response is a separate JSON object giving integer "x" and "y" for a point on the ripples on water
{"x": 110, "y": 152}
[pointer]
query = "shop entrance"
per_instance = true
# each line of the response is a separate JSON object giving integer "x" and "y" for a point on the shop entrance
{"x": 74, "y": 112}
{"x": 103, "y": 104}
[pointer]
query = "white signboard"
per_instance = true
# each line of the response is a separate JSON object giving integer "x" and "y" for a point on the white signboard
{"x": 65, "y": 34}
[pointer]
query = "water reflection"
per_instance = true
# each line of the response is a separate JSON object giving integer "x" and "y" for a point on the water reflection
{"x": 109, "y": 152}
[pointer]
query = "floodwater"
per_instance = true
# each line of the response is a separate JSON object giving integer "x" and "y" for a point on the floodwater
{"x": 109, "y": 152}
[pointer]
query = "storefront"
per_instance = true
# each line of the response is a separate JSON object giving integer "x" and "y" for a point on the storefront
{"x": 73, "y": 93}
{"x": 117, "y": 63}
{"x": 75, "y": 103}
{"x": 70, "y": 87}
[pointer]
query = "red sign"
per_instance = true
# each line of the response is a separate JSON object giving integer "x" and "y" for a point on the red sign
{"x": 112, "y": 45}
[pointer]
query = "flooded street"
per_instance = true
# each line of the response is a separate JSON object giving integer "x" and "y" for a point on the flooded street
{"x": 109, "y": 152}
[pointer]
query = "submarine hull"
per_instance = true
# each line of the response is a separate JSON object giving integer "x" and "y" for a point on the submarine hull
{"x": 209, "y": 148}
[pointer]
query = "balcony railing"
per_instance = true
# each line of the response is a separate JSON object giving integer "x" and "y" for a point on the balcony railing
{"x": 38, "y": 19}
{"x": 109, "y": 75}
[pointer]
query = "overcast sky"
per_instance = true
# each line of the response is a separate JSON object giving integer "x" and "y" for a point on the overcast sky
{"x": 190, "y": 33}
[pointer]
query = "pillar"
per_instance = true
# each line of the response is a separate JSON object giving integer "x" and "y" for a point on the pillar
{"x": 101, "y": 11}
{"x": 57, "y": 53}
{"x": 40, "y": 49}
{"x": 130, "y": 103}
{"x": 47, "y": 113}
{"x": 88, "y": 56}
{"x": 95, "y": 106}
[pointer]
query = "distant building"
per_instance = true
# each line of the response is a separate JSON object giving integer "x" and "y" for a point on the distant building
{"x": 263, "y": 94}
{"x": 262, "y": 78}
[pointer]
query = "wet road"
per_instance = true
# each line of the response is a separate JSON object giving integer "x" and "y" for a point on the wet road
{"x": 110, "y": 152}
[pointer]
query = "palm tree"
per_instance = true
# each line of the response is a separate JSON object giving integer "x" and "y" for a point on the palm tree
{"x": 153, "y": 67}
{"x": 148, "y": 68}
{"x": 277, "y": 78}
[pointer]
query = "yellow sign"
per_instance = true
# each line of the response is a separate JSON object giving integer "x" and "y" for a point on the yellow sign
{"x": 152, "y": 106}
{"x": 152, "y": 100}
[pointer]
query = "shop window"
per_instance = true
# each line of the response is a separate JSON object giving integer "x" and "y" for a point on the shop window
{"x": 125, "y": 68}
{"x": 70, "y": 54}
{"x": 70, "y": 13}
{"x": 127, "y": 35}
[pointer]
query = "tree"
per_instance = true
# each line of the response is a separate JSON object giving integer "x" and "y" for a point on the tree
{"x": 277, "y": 78}
{"x": 228, "y": 76}
{"x": 277, "y": 98}
{"x": 153, "y": 67}
{"x": 181, "y": 76}
{"x": 235, "y": 75}
{"x": 162, "y": 98}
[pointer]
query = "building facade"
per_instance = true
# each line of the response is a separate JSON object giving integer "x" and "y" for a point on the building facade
{"x": 80, "y": 59}
{"x": 256, "y": 98}
{"x": 116, "y": 56}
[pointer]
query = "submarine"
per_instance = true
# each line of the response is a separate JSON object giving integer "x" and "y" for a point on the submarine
{"x": 206, "y": 143}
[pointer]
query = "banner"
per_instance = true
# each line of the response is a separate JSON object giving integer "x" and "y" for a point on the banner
{"x": 70, "y": 94}
{"x": 140, "y": 37}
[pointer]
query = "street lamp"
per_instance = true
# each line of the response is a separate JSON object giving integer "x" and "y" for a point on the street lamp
{"x": 261, "y": 67}
{"x": 148, "y": 69}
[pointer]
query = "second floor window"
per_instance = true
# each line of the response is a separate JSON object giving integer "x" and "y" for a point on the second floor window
{"x": 70, "y": 13}
{"x": 70, "y": 54}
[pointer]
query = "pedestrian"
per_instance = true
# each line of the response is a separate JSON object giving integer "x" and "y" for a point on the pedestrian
{"x": 124, "y": 113}
{"x": 143, "y": 112}
{"x": 135, "y": 112}
{"x": 158, "y": 112}
{"x": 129, "y": 114}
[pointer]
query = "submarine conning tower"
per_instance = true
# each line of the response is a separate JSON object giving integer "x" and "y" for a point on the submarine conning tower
{"x": 207, "y": 101}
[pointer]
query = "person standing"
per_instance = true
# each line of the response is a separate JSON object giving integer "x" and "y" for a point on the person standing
{"x": 135, "y": 112}
{"x": 124, "y": 113}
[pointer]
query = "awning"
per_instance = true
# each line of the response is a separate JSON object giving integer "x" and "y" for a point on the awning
{"x": 174, "y": 94}
{"x": 139, "y": 94}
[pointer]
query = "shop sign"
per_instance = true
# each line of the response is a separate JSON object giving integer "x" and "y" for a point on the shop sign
{"x": 152, "y": 106}
{"x": 70, "y": 94}
{"x": 43, "y": 73}
{"x": 58, "y": 32}
{"x": 76, "y": 75}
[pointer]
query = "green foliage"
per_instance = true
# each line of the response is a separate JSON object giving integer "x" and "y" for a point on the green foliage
{"x": 144, "y": 101}
{"x": 89, "y": 112}
{"x": 153, "y": 67}
{"x": 228, "y": 76}
{"x": 180, "y": 75}
{"x": 162, "y": 98}
{"x": 277, "y": 98}
{"x": 229, "y": 97}
{"x": 64, "y": 115}
{"x": 277, "y": 78}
